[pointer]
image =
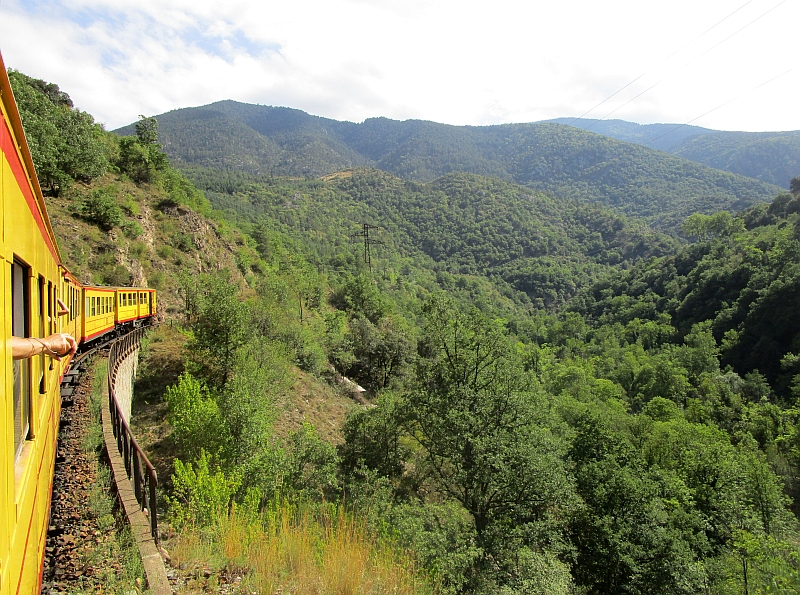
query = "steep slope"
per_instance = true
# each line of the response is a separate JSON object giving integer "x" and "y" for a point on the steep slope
{"x": 745, "y": 284}
{"x": 564, "y": 160}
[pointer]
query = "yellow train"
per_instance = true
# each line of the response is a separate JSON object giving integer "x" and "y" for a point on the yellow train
{"x": 34, "y": 286}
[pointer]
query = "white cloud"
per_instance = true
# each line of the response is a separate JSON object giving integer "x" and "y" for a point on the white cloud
{"x": 450, "y": 61}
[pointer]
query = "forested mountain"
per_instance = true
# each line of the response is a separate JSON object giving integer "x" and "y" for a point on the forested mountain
{"x": 565, "y": 161}
{"x": 664, "y": 137}
{"x": 772, "y": 157}
{"x": 742, "y": 279}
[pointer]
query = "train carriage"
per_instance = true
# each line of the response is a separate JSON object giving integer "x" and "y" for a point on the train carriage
{"x": 30, "y": 285}
{"x": 135, "y": 304}
{"x": 39, "y": 297}
{"x": 99, "y": 312}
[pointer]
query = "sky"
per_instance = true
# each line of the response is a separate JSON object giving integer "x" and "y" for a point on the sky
{"x": 726, "y": 65}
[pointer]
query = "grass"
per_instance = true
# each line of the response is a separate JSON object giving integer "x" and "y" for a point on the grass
{"x": 303, "y": 549}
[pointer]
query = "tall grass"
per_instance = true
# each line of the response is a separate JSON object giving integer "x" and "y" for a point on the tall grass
{"x": 303, "y": 549}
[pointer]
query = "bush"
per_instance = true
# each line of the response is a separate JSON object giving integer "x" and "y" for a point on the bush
{"x": 101, "y": 207}
{"x": 194, "y": 417}
{"x": 200, "y": 496}
{"x": 117, "y": 276}
{"x": 131, "y": 229}
{"x": 156, "y": 280}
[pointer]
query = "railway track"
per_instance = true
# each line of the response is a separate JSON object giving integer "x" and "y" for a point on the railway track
{"x": 84, "y": 551}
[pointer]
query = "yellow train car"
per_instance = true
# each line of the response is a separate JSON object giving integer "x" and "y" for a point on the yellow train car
{"x": 31, "y": 284}
{"x": 135, "y": 304}
{"x": 99, "y": 313}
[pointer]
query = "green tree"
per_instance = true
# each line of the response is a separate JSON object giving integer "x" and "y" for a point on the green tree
{"x": 219, "y": 325}
{"x": 382, "y": 351}
{"x": 140, "y": 156}
{"x": 475, "y": 419}
{"x": 65, "y": 143}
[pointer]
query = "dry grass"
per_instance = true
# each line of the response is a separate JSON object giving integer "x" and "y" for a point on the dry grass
{"x": 302, "y": 550}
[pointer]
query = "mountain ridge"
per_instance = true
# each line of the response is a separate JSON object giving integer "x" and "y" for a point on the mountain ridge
{"x": 566, "y": 161}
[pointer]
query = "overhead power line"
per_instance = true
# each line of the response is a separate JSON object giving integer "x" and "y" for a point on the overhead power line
{"x": 774, "y": 78}
{"x": 648, "y": 71}
{"x": 654, "y": 85}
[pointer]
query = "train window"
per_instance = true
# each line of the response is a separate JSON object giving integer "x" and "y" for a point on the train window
{"x": 42, "y": 332}
{"x": 94, "y": 306}
{"x": 49, "y": 308}
{"x": 20, "y": 304}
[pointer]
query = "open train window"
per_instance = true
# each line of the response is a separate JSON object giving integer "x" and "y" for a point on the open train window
{"x": 42, "y": 331}
{"x": 20, "y": 304}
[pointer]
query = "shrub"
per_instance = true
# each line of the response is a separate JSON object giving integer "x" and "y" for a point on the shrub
{"x": 101, "y": 207}
{"x": 200, "y": 495}
{"x": 194, "y": 417}
{"x": 131, "y": 229}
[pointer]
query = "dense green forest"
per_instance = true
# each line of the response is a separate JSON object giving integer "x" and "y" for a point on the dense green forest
{"x": 560, "y": 400}
{"x": 563, "y": 160}
{"x": 772, "y": 157}
{"x": 530, "y": 243}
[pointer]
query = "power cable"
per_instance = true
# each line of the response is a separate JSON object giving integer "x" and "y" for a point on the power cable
{"x": 680, "y": 49}
{"x": 724, "y": 104}
{"x": 654, "y": 85}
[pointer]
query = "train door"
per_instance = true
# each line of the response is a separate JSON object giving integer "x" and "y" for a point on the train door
{"x": 20, "y": 303}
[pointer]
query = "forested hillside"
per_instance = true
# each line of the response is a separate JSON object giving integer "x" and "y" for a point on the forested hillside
{"x": 664, "y": 137}
{"x": 559, "y": 400}
{"x": 539, "y": 248}
{"x": 562, "y": 160}
{"x": 772, "y": 157}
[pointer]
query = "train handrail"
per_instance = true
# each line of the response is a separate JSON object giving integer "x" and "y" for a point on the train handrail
{"x": 138, "y": 467}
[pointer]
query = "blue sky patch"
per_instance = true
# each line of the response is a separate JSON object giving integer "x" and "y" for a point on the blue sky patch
{"x": 83, "y": 17}
{"x": 226, "y": 46}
